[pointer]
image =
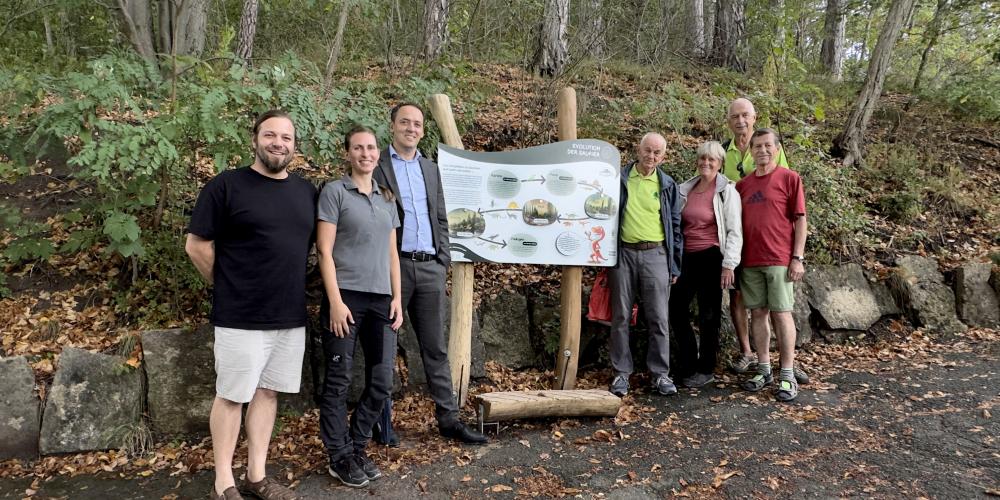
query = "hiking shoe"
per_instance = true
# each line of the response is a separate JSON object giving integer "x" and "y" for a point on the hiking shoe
{"x": 619, "y": 386}
{"x": 698, "y": 380}
{"x": 268, "y": 489}
{"x": 665, "y": 386}
{"x": 744, "y": 364}
{"x": 349, "y": 472}
{"x": 367, "y": 466}
{"x": 800, "y": 376}
{"x": 787, "y": 390}
{"x": 758, "y": 382}
{"x": 231, "y": 493}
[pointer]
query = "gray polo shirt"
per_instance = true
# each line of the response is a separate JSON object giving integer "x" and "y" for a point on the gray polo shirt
{"x": 364, "y": 225}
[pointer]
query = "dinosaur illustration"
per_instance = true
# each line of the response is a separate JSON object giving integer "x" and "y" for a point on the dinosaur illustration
{"x": 595, "y": 236}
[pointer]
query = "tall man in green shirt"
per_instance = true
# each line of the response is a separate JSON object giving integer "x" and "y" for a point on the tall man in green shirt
{"x": 649, "y": 261}
{"x": 741, "y": 118}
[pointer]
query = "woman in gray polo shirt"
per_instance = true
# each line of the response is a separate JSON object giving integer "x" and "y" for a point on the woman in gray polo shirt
{"x": 356, "y": 242}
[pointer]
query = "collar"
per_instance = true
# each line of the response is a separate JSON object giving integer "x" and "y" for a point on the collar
{"x": 635, "y": 173}
{"x": 393, "y": 154}
{"x": 349, "y": 184}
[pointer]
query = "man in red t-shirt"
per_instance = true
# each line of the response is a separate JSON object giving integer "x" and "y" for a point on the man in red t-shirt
{"x": 774, "y": 242}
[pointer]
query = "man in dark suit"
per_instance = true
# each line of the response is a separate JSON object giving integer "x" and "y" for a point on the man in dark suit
{"x": 424, "y": 258}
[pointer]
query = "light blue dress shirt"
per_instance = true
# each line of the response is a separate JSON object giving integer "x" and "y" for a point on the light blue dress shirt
{"x": 413, "y": 195}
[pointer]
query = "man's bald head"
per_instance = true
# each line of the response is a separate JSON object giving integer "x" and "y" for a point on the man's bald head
{"x": 652, "y": 148}
{"x": 741, "y": 118}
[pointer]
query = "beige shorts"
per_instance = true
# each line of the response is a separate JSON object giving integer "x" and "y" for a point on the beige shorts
{"x": 246, "y": 360}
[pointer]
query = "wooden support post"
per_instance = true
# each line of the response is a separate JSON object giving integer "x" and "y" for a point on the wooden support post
{"x": 571, "y": 293}
{"x": 498, "y": 406}
{"x": 462, "y": 273}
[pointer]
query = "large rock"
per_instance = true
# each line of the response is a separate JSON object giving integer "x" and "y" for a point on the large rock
{"x": 94, "y": 403}
{"x": 842, "y": 297}
{"x": 505, "y": 331}
{"x": 924, "y": 297}
{"x": 180, "y": 374}
{"x": 409, "y": 348}
{"x": 975, "y": 298}
{"x": 801, "y": 314}
{"x": 886, "y": 299}
{"x": 18, "y": 409}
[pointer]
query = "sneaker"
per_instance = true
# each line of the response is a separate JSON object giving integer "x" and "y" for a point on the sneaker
{"x": 698, "y": 380}
{"x": 800, "y": 376}
{"x": 619, "y": 386}
{"x": 665, "y": 386}
{"x": 788, "y": 389}
{"x": 758, "y": 382}
{"x": 367, "y": 465}
{"x": 349, "y": 472}
{"x": 744, "y": 364}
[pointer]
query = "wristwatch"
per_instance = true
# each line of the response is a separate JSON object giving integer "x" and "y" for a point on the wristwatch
{"x": 799, "y": 258}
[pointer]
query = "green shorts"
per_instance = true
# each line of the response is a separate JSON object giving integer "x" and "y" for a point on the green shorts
{"x": 767, "y": 287}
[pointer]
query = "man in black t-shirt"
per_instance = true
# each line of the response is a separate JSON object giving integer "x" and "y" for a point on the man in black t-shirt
{"x": 249, "y": 236}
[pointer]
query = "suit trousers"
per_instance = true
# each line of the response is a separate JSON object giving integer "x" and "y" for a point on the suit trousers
{"x": 423, "y": 287}
{"x": 646, "y": 274}
{"x": 370, "y": 312}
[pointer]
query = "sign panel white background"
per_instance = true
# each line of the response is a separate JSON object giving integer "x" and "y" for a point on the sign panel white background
{"x": 552, "y": 204}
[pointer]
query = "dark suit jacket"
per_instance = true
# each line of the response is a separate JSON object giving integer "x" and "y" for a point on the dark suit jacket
{"x": 385, "y": 175}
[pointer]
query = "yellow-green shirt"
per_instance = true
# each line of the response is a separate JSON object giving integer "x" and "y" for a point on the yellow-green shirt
{"x": 642, "y": 213}
{"x": 734, "y": 158}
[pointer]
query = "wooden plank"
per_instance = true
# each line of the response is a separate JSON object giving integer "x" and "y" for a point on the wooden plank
{"x": 548, "y": 403}
{"x": 462, "y": 273}
{"x": 571, "y": 290}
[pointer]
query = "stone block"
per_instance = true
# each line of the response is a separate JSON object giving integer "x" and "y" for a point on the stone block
{"x": 843, "y": 297}
{"x": 94, "y": 402}
{"x": 924, "y": 296}
{"x": 19, "y": 424}
{"x": 180, "y": 375}
{"x": 975, "y": 298}
{"x": 505, "y": 331}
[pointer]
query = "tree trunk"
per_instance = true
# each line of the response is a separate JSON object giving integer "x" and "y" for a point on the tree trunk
{"x": 696, "y": 29}
{"x": 552, "y": 55}
{"x": 931, "y": 35}
{"x": 849, "y": 144}
{"x": 729, "y": 46}
{"x": 593, "y": 29}
{"x": 708, "y": 8}
{"x": 181, "y": 27}
{"x": 137, "y": 22}
{"x": 832, "y": 52}
{"x": 50, "y": 47}
{"x": 248, "y": 29}
{"x": 338, "y": 44}
{"x": 435, "y": 28}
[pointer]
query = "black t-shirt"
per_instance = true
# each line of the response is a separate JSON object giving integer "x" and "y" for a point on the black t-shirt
{"x": 262, "y": 229}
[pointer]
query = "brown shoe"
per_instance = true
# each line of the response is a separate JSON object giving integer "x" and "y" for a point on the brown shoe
{"x": 268, "y": 489}
{"x": 231, "y": 493}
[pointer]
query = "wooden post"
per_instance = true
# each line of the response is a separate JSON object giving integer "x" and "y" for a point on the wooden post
{"x": 462, "y": 273}
{"x": 571, "y": 293}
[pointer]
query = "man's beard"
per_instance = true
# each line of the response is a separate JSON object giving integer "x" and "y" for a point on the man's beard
{"x": 275, "y": 166}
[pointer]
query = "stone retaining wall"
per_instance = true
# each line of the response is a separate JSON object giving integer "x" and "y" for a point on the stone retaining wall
{"x": 97, "y": 400}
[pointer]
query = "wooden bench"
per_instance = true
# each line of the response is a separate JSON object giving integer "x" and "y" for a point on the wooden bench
{"x": 496, "y": 406}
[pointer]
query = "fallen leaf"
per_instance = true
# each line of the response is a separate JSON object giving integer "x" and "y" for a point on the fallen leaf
{"x": 720, "y": 478}
{"x": 497, "y": 488}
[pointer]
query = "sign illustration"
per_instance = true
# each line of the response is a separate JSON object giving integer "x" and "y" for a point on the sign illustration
{"x": 552, "y": 204}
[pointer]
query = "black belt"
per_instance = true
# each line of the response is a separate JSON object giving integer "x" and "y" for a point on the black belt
{"x": 642, "y": 245}
{"x": 417, "y": 256}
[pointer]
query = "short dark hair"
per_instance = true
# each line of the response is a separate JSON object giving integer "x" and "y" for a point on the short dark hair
{"x": 267, "y": 115}
{"x": 395, "y": 109}
{"x": 355, "y": 129}
{"x": 765, "y": 131}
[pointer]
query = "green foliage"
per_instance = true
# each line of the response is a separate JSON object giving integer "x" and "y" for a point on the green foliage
{"x": 29, "y": 238}
{"x": 837, "y": 223}
{"x": 894, "y": 175}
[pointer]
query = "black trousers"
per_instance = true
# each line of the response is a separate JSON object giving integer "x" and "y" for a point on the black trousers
{"x": 378, "y": 342}
{"x": 701, "y": 274}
